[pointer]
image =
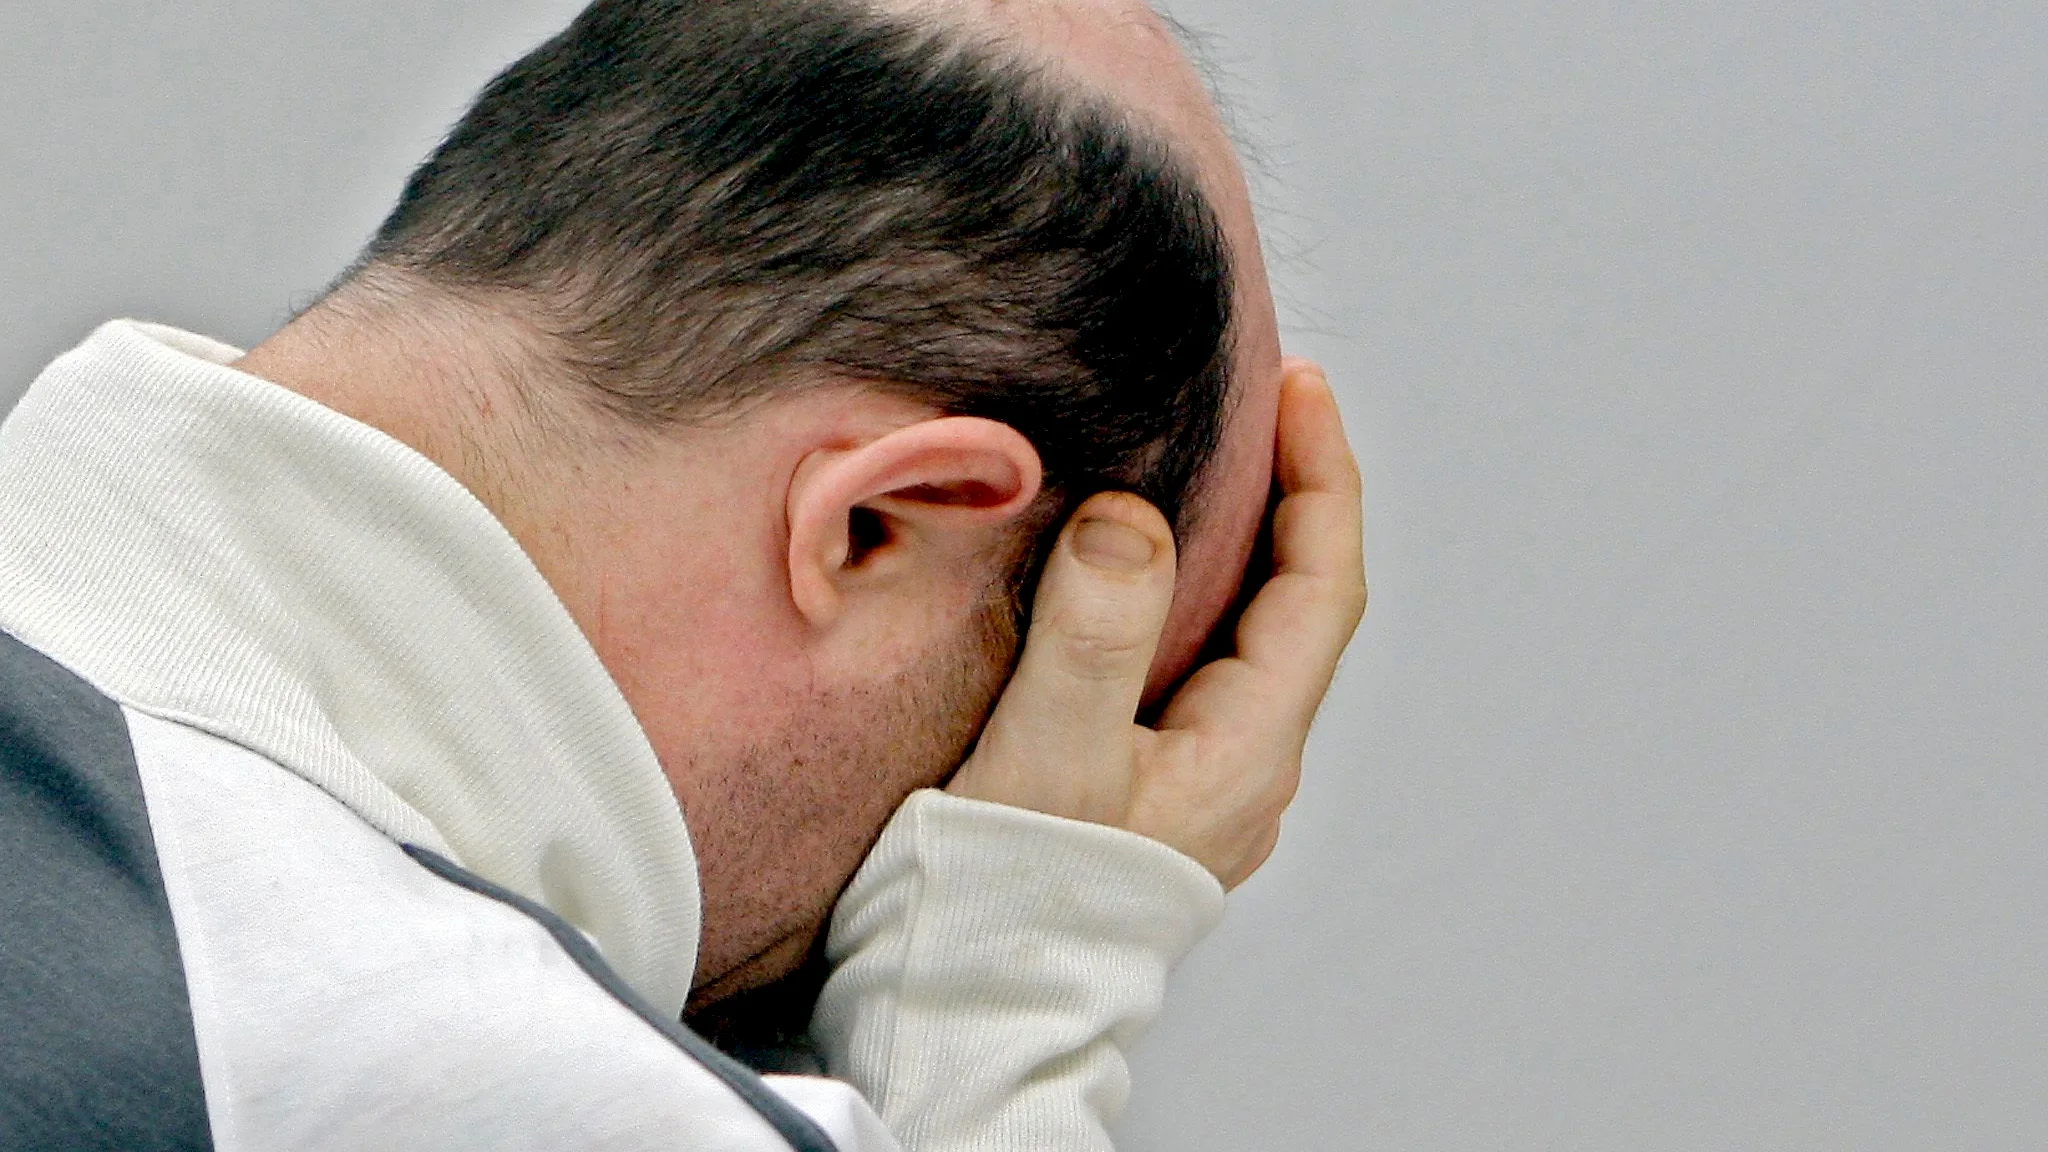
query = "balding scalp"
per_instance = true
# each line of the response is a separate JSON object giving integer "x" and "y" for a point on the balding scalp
{"x": 701, "y": 203}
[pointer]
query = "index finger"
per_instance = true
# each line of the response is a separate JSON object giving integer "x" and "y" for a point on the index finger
{"x": 1311, "y": 453}
{"x": 1296, "y": 627}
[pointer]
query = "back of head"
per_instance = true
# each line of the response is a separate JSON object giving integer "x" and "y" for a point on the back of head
{"x": 697, "y": 203}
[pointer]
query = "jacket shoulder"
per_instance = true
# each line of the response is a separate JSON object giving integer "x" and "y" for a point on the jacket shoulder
{"x": 349, "y": 991}
{"x": 96, "y": 1039}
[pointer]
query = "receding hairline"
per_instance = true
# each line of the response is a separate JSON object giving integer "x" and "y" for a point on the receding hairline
{"x": 1000, "y": 43}
{"x": 1018, "y": 29}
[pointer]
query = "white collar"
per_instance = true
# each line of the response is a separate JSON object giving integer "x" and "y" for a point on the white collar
{"x": 210, "y": 548}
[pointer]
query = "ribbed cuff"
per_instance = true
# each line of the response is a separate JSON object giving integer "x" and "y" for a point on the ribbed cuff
{"x": 992, "y": 965}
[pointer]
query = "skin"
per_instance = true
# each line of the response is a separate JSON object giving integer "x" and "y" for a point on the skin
{"x": 1121, "y": 48}
{"x": 1214, "y": 774}
{"x": 799, "y": 679}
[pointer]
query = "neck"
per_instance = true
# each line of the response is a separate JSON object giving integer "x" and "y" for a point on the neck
{"x": 306, "y": 588}
{"x": 467, "y": 389}
{"x": 421, "y": 369}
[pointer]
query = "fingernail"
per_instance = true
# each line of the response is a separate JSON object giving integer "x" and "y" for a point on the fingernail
{"x": 1115, "y": 547}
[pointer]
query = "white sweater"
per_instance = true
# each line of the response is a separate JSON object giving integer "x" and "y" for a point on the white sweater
{"x": 325, "y": 649}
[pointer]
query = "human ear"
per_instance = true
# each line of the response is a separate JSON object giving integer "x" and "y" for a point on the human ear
{"x": 864, "y": 512}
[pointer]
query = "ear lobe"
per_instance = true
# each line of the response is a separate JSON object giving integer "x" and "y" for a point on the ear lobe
{"x": 953, "y": 480}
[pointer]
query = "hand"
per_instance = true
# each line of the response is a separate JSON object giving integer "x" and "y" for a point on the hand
{"x": 1214, "y": 776}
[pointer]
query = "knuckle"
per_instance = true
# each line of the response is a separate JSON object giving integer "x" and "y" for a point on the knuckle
{"x": 1252, "y": 857}
{"x": 1099, "y": 644}
{"x": 1270, "y": 785}
{"x": 1285, "y": 785}
{"x": 1357, "y": 598}
{"x": 1350, "y": 475}
{"x": 1346, "y": 596}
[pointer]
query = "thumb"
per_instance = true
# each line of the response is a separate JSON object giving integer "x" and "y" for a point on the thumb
{"x": 1061, "y": 739}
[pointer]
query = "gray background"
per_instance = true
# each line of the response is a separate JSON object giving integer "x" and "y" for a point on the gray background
{"x": 1682, "y": 790}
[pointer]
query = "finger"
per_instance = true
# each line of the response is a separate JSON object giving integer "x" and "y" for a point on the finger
{"x": 1319, "y": 480}
{"x": 1299, "y": 623}
{"x": 1297, "y": 628}
{"x": 1312, "y": 453}
{"x": 1294, "y": 631}
{"x": 1060, "y": 738}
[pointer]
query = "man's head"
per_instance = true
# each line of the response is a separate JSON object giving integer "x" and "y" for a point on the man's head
{"x": 781, "y": 333}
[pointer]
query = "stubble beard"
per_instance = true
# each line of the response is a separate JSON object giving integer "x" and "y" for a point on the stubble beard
{"x": 810, "y": 800}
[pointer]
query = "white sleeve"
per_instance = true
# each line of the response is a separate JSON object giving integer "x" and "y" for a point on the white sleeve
{"x": 992, "y": 966}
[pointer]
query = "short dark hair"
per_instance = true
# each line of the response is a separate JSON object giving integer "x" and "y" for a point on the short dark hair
{"x": 691, "y": 195}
